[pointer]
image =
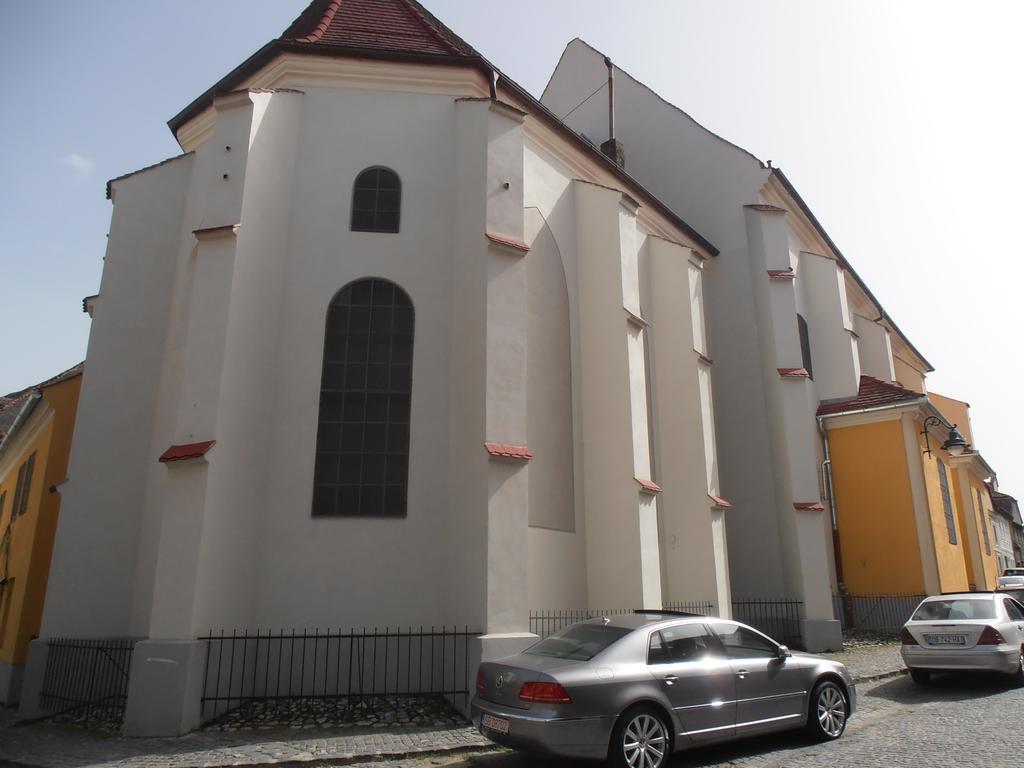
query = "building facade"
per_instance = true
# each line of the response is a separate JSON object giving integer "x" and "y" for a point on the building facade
{"x": 35, "y": 438}
{"x": 1009, "y": 508}
{"x": 911, "y": 514}
{"x": 387, "y": 345}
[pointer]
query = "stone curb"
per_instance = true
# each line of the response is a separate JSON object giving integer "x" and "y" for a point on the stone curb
{"x": 879, "y": 676}
{"x": 464, "y": 749}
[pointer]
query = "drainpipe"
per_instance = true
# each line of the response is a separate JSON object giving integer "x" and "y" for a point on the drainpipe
{"x": 826, "y": 477}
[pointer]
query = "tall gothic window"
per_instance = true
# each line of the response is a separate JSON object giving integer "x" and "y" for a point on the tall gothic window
{"x": 362, "y": 444}
{"x": 805, "y": 345}
{"x": 376, "y": 201}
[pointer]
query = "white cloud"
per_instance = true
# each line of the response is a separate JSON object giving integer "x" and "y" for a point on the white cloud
{"x": 81, "y": 164}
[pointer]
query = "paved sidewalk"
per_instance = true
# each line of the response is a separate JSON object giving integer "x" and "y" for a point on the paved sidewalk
{"x": 52, "y": 746}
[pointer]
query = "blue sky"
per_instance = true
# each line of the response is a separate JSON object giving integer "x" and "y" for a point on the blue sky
{"x": 899, "y": 123}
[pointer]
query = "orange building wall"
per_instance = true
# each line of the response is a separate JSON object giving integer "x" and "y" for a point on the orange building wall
{"x": 875, "y": 509}
{"x": 32, "y": 534}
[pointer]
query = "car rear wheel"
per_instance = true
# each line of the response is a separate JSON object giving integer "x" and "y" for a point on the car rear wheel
{"x": 830, "y": 710}
{"x": 921, "y": 676}
{"x": 641, "y": 739}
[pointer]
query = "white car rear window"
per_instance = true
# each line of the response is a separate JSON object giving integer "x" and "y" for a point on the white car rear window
{"x": 953, "y": 610}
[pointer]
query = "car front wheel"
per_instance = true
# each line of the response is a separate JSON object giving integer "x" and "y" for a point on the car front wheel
{"x": 829, "y": 711}
{"x": 641, "y": 739}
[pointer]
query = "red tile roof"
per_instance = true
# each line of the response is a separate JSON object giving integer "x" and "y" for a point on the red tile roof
{"x": 765, "y": 208}
{"x": 809, "y": 506}
{"x": 873, "y": 393}
{"x": 719, "y": 501}
{"x": 386, "y": 25}
{"x": 636, "y": 319}
{"x": 648, "y": 486}
{"x": 508, "y": 242}
{"x": 782, "y": 274}
{"x": 187, "y": 451}
{"x": 505, "y": 451}
{"x": 794, "y": 373}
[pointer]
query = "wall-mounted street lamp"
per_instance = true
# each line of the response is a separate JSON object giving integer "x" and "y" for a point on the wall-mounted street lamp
{"x": 956, "y": 445}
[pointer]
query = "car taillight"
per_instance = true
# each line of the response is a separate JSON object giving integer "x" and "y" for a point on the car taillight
{"x": 548, "y": 693}
{"x": 991, "y": 636}
{"x": 479, "y": 680}
{"x": 906, "y": 638}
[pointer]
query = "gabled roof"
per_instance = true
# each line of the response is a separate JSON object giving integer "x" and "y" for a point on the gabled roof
{"x": 873, "y": 393}
{"x": 393, "y": 29}
{"x": 390, "y": 25}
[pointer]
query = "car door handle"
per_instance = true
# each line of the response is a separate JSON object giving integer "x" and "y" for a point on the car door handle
{"x": 670, "y": 679}
{"x": 741, "y": 673}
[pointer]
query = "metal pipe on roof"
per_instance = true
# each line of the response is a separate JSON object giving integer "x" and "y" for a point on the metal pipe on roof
{"x": 611, "y": 98}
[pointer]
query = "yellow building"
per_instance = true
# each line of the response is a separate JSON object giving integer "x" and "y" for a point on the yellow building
{"x": 910, "y": 502}
{"x": 35, "y": 437}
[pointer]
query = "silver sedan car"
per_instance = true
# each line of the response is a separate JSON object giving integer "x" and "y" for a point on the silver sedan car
{"x": 633, "y": 689}
{"x": 970, "y": 631}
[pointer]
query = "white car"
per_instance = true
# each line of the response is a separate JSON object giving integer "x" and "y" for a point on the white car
{"x": 969, "y": 631}
{"x": 1012, "y": 577}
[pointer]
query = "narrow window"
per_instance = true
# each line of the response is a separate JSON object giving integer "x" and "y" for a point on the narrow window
{"x": 376, "y": 201}
{"x": 805, "y": 344}
{"x": 947, "y": 504}
{"x": 21, "y": 489}
{"x": 3, "y": 503}
{"x": 981, "y": 519}
{"x": 362, "y": 446}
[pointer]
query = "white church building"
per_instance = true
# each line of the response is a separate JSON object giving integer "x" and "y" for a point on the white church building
{"x": 791, "y": 326}
{"x": 387, "y": 345}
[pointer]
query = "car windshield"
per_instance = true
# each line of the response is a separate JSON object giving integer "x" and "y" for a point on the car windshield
{"x": 580, "y": 642}
{"x": 952, "y": 610}
{"x": 1014, "y": 572}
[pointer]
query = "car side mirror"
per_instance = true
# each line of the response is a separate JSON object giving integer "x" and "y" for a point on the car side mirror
{"x": 784, "y": 652}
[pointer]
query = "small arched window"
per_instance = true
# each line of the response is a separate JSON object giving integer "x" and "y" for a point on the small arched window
{"x": 376, "y": 201}
{"x": 362, "y": 443}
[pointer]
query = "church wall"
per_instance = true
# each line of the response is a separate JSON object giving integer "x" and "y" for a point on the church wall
{"x": 92, "y": 579}
{"x": 358, "y": 570}
{"x": 556, "y": 561}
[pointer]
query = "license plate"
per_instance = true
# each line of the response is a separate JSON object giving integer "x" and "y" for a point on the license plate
{"x": 946, "y": 639}
{"x": 492, "y": 723}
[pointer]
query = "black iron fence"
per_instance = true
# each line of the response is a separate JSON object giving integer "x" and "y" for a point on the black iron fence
{"x": 335, "y": 666}
{"x": 544, "y": 623}
{"x": 882, "y": 613}
{"x": 87, "y": 680}
{"x": 779, "y": 618}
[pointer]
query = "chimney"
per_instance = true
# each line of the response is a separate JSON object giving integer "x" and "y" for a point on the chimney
{"x": 613, "y": 147}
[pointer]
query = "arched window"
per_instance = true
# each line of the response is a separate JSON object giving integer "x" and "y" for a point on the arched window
{"x": 376, "y": 201}
{"x": 362, "y": 442}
